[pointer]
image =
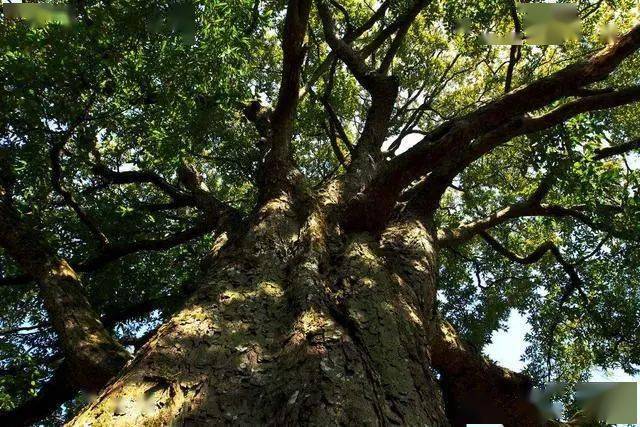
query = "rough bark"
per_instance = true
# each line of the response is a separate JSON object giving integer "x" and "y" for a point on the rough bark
{"x": 477, "y": 390}
{"x": 296, "y": 323}
{"x": 321, "y": 310}
{"x": 93, "y": 355}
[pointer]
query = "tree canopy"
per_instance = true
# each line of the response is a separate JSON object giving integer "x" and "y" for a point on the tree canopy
{"x": 123, "y": 130}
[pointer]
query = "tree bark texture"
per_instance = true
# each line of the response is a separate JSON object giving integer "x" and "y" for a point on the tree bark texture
{"x": 92, "y": 355}
{"x": 296, "y": 324}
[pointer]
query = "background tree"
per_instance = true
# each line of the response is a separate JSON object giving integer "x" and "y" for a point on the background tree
{"x": 275, "y": 205}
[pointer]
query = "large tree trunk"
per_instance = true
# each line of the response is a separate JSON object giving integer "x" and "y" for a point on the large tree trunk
{"x": 294, "y": 324}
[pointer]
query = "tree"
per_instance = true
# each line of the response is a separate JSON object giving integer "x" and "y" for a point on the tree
{"x": 311, "y": 211}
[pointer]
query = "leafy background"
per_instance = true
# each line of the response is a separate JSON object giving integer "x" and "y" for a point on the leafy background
{"x": 166, "y": 82}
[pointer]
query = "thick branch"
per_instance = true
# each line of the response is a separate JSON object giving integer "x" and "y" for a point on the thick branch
{"x": 116, "y": 314}
{"x": 475, "y": 389}
{"x": 294, "y": 51}
{"x": 275, "y": 171}
{"x": 93, "y": 355}
{"x": 448, "y": 147}
{"x": 616, "y": 150}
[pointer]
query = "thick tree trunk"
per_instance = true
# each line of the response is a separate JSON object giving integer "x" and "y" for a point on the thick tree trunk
{"x": 294, "y": 324}
{"x": 286, "y": 331}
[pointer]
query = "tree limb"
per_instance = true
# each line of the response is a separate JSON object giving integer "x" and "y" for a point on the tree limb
{"x": 349, "y": 37}
{"x": 574, "y": 279}
{"x": 142, "y": 177}
{"x": 56, "y": 183}
{"x": 515, "y": 50}
{"x": 615, "y": 150}
{"x": 94, "y": 356}
{"x": 449, "y": 148}
{"x": 116, "y": 251}
{"x": 401, "y": 27}
{"x": 274, "y": 175}
{"x": 475, "y": 389}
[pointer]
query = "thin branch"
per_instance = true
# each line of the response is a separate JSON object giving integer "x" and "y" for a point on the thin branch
{"x": 55, "y": 153}
{"x": 115, "y": 251}
{"x": 36, "y": 327}
{"x": 343, "y": 49}
{"x": 56, "y": 183}
{"x": 349, "y": 37}
{"x": 516, "y": 50}
{"x": 615, "y": 150}
{"x": 401, "y": 26}
{"x": 141, "y": 177}
{"x": 574, "y": 279}
{"x": 330, "y": 129}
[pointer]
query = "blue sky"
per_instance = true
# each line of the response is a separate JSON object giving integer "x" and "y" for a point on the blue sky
{"x": 508, "y": 346}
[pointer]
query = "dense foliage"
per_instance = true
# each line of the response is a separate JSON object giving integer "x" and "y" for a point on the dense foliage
{"x": 132, "y": 87}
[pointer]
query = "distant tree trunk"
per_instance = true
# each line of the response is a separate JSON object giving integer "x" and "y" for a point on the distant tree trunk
{"x": 294, "y": 324}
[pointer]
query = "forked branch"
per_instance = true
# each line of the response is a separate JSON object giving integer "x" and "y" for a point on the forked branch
{"x": 452, "y": 146}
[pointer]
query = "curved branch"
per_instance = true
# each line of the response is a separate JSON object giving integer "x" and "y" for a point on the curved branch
{"x": 465, "y": 232}
{"x": 55, "y": 153}
{"x": 343, "y": 49}
{"x": 616, "y": 150}
{"x": 574, "y": 279}
{"x": 142, "y": 177}
{"x": 449, "y": 147}
{"x": 475, "y": 389}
